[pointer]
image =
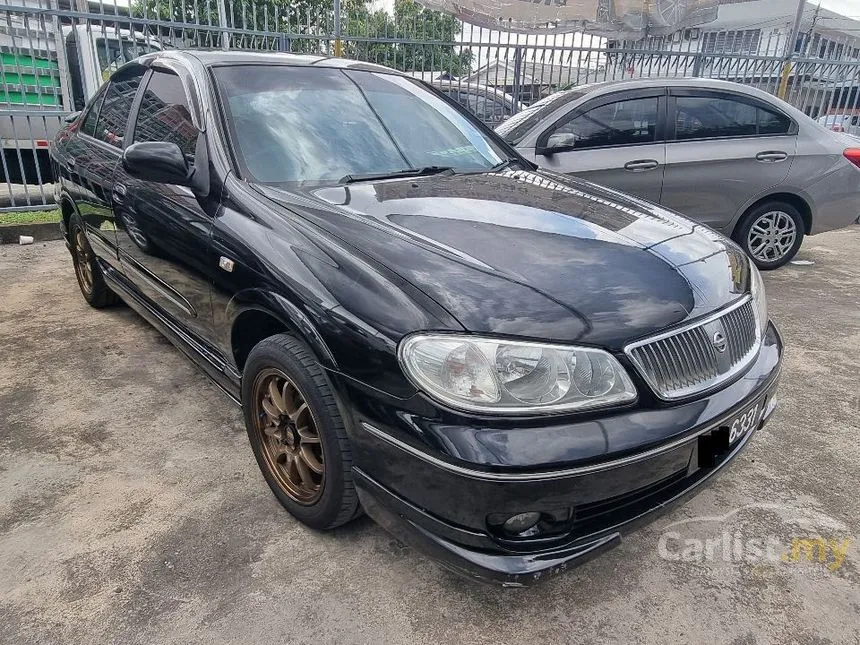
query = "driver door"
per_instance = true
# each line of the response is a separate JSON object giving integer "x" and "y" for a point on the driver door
{"x": 616, "y": 140}
{"x": 163, "y": 230}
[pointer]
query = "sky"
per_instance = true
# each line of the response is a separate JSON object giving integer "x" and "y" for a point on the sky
{"x": 850, "y": 8}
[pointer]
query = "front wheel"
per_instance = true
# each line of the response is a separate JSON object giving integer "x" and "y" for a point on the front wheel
{"x": 771, "y": 234}
{"x": 297, "y": 433}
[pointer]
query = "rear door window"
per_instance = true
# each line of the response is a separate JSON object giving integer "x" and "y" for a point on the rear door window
{"x": 89, "y": 124}
{"x": 770, "y": 122}
{"x": 113, "y": 116}
{"x": 706, "y": 117}
{"x": 711, "y": 117}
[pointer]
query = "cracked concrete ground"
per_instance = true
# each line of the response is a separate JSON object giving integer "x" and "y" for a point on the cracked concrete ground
{"x": 131, "y": 509}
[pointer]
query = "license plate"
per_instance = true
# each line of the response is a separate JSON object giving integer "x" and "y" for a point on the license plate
{"x": 744, "y": 422}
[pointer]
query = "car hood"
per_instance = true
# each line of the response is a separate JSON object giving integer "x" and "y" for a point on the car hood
{"x": 534, "y": 254}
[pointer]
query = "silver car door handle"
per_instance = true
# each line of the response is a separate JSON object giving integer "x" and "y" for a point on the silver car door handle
{"x": 641, "y": 165}
{"x": 771, "y": 156}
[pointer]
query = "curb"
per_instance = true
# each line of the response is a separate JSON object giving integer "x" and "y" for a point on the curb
{"x": 42, "y": 232}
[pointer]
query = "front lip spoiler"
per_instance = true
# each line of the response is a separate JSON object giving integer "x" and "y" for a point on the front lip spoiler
{"x": 507, "y": 570}
{"x": 404, "y": 520}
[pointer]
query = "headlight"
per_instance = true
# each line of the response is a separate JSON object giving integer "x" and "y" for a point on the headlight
{"x": 759, "y": 299}
{"x": 485, "y": 375}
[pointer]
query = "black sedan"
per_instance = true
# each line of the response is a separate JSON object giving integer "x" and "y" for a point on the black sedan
{"x": 506, "y": 366}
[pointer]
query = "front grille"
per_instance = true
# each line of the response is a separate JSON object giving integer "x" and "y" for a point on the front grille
{"x": 701, "y": 356}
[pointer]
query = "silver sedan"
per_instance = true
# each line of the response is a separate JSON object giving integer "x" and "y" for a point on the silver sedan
{"x": 729, "y": 156}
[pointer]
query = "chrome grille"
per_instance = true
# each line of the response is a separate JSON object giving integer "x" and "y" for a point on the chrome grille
{"x": 698, "y": 357}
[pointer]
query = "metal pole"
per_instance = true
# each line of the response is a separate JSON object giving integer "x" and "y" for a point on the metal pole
{"x": 518, "y": 68}
{"x": 795, "y": 31}
{"x": 222, "y": 21}
{"x": 338, "y": 45}
{"x": 789, "y": 49}
{"x": 62, "y": 64}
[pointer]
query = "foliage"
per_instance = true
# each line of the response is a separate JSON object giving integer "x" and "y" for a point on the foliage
{"x": 29, "y": 217}
{"x": 413, "y": 28}
{"x": 414, "y": 38}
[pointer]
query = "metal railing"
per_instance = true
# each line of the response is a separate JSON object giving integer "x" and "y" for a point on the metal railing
{"x": 55, "y": 53}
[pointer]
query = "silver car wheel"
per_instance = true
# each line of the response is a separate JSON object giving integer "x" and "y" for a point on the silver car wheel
{"x": 771, "y": 236}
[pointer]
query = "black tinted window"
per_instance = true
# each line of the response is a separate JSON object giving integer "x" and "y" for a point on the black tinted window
{"x": 772, "y": 122}
{"x": 113, "y": 117}
{"x": 614, "y": 124}
{"x": 707, "y": 117}
{"x": 164, "y": 113}
{"x": 489, "y": 109}
{"x": 89, "y": 124}
{"x": 704, "y": 117}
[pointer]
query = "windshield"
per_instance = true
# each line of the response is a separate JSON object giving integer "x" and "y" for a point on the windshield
{"x": 113, "y": 53}
{"x": 518, "y": 126}
{"x": 321, "y": 125}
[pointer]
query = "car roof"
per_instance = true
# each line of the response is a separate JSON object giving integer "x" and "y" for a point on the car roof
{"x": 639, "y": 83}
{"x": 215, "y": 57}
{"x": 457, "y": 84}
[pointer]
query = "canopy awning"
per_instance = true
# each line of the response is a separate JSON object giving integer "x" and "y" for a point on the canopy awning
{"x": 611, "y": 18}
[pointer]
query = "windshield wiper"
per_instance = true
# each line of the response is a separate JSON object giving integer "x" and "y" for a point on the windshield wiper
{"x": 408, "y": 172}
{"x": 507, "y": 163}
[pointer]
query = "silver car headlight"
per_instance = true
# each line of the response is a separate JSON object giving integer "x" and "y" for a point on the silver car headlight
{"x": 759, "y": 298}
{"x": 513, "y": 377}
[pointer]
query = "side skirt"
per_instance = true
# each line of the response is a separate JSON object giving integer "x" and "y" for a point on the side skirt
{"x": 219, "y": 372}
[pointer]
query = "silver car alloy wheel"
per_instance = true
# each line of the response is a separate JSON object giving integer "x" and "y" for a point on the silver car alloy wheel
{"x": 771, "y": 236}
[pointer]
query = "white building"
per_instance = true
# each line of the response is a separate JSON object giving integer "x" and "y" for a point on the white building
{"x": 762, "y": 28}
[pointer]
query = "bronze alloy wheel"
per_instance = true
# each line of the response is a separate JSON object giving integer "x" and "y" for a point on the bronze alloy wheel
{"x": 83, "y": 261}
{"x": 289, "y": 436}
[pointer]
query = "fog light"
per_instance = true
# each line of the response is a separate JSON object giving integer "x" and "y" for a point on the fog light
{"x": 520, "y": 523}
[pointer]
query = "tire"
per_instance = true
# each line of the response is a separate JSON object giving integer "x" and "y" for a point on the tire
{"x": 765, "y": 232}
{"x": 290, "y": 441}
{"x": 87, "y": 270}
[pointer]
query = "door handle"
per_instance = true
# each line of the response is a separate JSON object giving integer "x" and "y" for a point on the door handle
{"x": 771, "y": 156}
{"x": 70, "y": 162}
{"x": 641, "y": 165}
{"x": 119, "y": 191}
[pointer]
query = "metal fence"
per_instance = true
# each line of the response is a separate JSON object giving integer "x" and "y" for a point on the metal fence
{"x": 55, "y": 54}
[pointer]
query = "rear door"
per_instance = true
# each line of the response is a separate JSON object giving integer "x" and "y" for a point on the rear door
{"x": 725, "y": 150}
{"x": 616, "y": 140}
{"x": 94, "y": 154}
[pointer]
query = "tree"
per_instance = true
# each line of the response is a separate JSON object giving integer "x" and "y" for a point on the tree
{"x": 405, "y": 39}
{"x": 414, "y": 38}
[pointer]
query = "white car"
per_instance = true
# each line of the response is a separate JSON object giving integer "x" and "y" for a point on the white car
{"x": 848, "y": 123}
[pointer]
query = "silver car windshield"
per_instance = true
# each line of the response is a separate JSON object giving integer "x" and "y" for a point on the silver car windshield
{"x": 292, "y": 124}
{"x": 514, "y": 129}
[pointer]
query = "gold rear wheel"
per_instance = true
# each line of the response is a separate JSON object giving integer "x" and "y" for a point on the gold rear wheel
{"x": 83, "y": 256}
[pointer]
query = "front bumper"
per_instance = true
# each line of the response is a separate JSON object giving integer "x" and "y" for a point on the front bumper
{"x": 441, "y": 504}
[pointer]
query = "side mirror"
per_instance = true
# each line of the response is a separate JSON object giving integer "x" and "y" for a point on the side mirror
{"x": 72, "y": 117}
{"x": 157, "y": 161}
{"x": 558, "y": 142}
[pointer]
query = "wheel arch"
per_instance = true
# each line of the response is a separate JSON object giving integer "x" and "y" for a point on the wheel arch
{"x": 799, "y": 202}
{"x": 256, "y": 314}
{"x": 67, "y": 209}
